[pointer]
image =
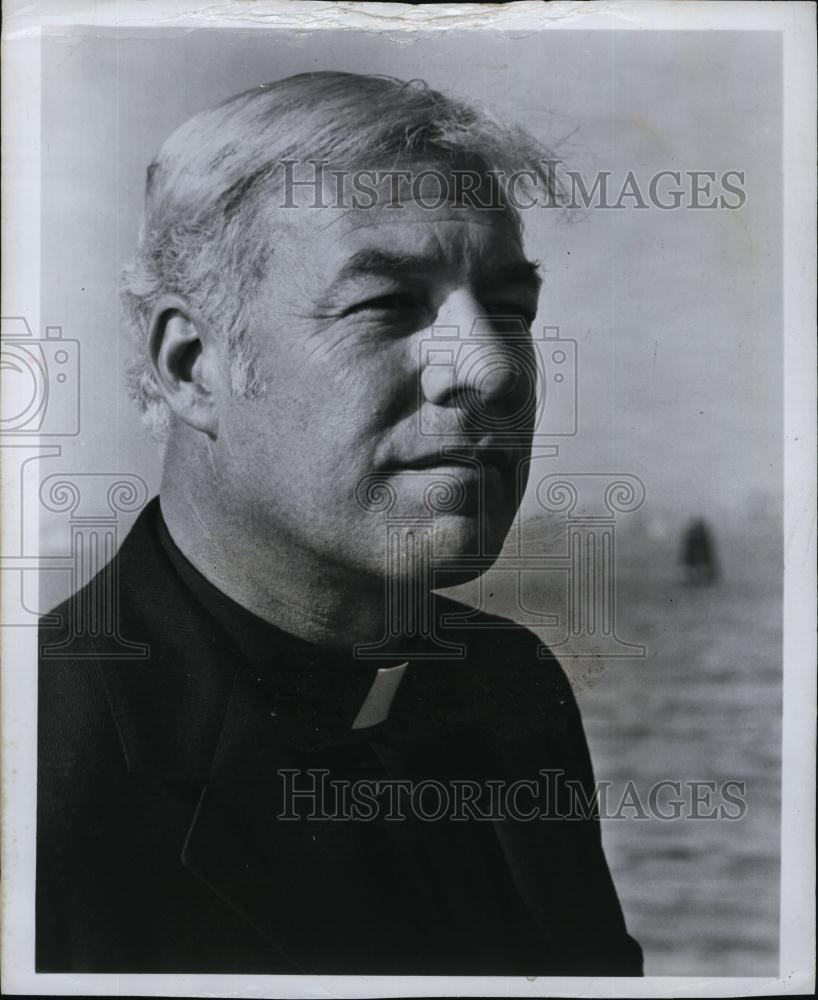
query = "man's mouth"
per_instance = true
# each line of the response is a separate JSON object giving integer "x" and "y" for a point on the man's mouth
{"x": 467, "y": 457}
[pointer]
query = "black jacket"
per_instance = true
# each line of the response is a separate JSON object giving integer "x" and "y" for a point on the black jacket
{"x": 162, "y": 778}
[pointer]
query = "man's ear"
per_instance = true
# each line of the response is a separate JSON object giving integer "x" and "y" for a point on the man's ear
{"x": 186, "y": 360}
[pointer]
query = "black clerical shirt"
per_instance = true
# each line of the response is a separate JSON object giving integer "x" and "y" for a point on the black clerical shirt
{"x": 210, "y": 807}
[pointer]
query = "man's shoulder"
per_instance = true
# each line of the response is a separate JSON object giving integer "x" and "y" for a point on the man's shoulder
{"x": 135, "y": 615}
{"x": 510, "y": 669}
{"x": 132, "y": 575}
{"x": 500, "y": 641}
{"x": 123, "y": 659}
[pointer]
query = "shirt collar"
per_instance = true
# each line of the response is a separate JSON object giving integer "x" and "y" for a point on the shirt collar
{"x": 316, "y": 695}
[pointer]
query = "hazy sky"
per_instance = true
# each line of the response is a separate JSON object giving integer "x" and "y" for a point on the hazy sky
{"x": 676, "y": 314}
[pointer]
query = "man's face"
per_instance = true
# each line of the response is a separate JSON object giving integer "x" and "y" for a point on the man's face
{"x": 385, "y": 336}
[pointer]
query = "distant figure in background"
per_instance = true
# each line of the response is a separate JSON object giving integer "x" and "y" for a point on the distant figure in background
{"x": 699, "y": 554}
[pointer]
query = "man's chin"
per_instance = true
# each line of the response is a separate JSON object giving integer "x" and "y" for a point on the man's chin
{"x": 465, "y": 547}
{"x": 451, "y": 547}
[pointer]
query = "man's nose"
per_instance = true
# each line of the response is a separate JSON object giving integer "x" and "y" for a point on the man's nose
{"x": 469, "y": 359}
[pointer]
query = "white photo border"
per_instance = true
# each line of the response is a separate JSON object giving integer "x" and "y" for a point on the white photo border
{"x": 21, "y": 296}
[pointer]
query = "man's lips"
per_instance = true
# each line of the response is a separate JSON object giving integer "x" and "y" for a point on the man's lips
{"x": 466, "y": 457}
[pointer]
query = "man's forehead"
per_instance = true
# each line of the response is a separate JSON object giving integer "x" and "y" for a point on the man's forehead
{"x": 421, "y": 195}
{"x": 409, "y": 225}
{"x": 418, "y": 236}
{"x": 422, "y": 229}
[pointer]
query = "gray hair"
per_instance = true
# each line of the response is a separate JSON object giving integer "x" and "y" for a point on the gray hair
{"x": 202, "y": 235}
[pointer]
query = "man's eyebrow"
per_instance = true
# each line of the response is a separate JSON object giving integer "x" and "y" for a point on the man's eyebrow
{"x": 384, "y": 263}
{"x": 372, "y": 261}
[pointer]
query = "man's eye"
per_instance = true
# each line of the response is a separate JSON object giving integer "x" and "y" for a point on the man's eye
{"x": 395, "y": 302}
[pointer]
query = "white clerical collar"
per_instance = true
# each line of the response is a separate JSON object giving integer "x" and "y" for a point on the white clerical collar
{"x": 377, "y": 703}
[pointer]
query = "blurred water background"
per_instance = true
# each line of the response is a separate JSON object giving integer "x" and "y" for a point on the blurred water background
{"x": 703, "y": 704}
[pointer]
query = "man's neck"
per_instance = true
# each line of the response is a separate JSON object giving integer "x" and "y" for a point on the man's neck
{"x": 290, "y": 589}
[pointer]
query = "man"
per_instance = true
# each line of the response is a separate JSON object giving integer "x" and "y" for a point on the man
{"x": 343, "y": 376}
